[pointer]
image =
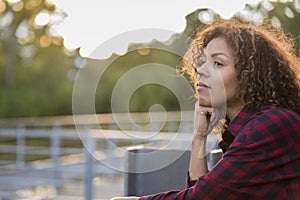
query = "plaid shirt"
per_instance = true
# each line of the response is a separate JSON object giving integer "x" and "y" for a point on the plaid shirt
{"x": 262, "y": 162}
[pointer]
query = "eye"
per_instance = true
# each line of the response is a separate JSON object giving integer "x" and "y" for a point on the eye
{"x": 218, "y": 64}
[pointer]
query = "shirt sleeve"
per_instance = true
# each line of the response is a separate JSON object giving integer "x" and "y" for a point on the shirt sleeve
{"x": 255, "y": 165}
{"x": 189, "y": 182}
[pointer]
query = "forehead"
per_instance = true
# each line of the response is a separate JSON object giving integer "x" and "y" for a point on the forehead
{"x": 218, "y": 45}
{"x": 197, "y": 53}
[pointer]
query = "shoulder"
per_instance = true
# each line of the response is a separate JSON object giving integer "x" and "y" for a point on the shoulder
{"x": 277, "y": 117}
{"x": 271, "y": 123}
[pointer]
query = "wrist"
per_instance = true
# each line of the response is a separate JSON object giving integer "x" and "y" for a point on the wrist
{"x": 200, "y": 136}
{"x": 199, "y": 148}
{"x": 193, "y": 177}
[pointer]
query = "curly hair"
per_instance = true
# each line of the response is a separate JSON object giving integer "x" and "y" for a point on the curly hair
{"x": 265, "y": 59}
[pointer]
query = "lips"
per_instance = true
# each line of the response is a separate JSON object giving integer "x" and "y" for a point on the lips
{"x": 202, "y": 86}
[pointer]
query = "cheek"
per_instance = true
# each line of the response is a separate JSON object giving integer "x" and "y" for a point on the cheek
{"x": 218, "y": 94}
{"x": 225, "y": 88}
{"x": 230, "y": 86}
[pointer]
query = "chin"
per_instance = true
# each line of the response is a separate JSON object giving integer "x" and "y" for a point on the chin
{"x": 205, "y": 103}
{"x": 216, "y": 104}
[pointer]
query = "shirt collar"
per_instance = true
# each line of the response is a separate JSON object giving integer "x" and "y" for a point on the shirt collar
{"x": 241, "y": 119}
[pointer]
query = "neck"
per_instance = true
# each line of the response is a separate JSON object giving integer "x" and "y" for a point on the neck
{"x": 233, "y": 111}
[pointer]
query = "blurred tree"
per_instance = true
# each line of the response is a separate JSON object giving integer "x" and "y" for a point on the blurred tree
{"x": 25, "y": 25}
{"x": 36, "y": 69}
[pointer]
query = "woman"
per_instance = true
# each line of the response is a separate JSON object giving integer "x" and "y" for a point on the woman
{"x": 252, "y": 77}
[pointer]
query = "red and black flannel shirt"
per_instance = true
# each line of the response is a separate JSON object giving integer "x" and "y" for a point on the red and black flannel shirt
{"x": 262, "y": 162}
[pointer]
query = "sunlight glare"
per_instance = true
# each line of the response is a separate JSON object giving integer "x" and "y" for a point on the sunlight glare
{"x": 206, "y": 16}
{"x": 42, "y": 18}
{"x": 13, "y": 1}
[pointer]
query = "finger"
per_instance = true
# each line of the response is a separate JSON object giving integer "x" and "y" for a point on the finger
{"x": 202, "y": 112}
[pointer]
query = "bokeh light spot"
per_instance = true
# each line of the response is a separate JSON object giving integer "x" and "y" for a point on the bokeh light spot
{"x": 144, "y": 50}
{"x": 45, "y": 41}
{"x": 42, "y": 18}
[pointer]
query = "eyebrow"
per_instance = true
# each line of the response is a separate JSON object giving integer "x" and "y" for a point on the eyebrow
{"x": 219, "y": 54}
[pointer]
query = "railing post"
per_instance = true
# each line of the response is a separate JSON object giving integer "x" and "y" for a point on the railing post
{"x": 89, "y": 149}
{"x": 55, "y": 153}
{"x": 20, "y": 150}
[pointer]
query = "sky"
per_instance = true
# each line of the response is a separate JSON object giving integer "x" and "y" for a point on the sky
{"x": 92, "y": 23}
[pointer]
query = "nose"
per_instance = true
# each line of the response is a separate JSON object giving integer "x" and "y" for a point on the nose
{"x": 203, "y": 70}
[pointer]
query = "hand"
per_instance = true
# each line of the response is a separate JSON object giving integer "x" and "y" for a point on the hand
{"x": 205, "y": 118}
{"x": 125, "y": 198}
{"x": 202, "y": 117}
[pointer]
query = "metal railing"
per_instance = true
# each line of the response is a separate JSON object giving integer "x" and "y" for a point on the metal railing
{"x": 57, "y": 129}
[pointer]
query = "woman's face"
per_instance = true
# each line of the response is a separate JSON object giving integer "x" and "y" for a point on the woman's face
{"x": 217, "y": 76}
